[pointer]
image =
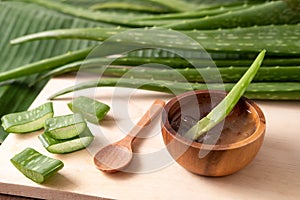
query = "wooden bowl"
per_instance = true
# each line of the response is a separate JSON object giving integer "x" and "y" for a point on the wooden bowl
{"x": 242, "y": 133}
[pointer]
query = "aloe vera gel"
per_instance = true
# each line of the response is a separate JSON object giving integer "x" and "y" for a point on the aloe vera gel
{"x": 27, "y": 121}
{"x": 92, "y": 110}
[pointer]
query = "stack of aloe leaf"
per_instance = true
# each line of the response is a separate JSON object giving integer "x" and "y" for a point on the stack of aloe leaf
{"x": 154, "y": 34}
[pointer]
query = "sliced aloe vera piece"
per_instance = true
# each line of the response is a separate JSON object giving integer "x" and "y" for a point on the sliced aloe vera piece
{"x": 66, "y": 126}
{"x": 66, "y": 146}
{"x": 27, "y": 121}
{"x": 35, "y": 165}
{"x": 92, "y": 110}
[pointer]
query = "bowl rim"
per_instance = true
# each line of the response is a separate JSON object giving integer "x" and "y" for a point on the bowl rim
{"x": 260, "y": 129}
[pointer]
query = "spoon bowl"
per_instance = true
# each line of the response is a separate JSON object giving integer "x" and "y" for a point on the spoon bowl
{"x": 116, "y": 157}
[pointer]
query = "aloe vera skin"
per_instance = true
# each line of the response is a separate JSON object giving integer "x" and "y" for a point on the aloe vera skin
{"x": 198, "y": 13}
{"x": 172, "y": 6}
{"x": 217, "y": 114}
{"x": 27, "y": 121}
{"x": 65, "y": 127}
{"x": 59, "y": 146}
{"x": 270, "y": 66}
{"x": 261, "y": 90}
{"x": 44, "y": 65}
{"x": 235, "y": 17}
{"x": 188, "y": 73}
{"x": 274, "y": 12}
{"x": 132, "y": 6}
{"x": 228, "y": 74}
{"x": 175, "y": 5}
{"x": 174, "y": 18}
{"x": 36, "y": 166}
{"x": 279, "y": 40}
{"x": 109, "y": 18}
{"x": 92, "y": 110}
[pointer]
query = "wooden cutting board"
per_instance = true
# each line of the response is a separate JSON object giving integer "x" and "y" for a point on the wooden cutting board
{"x": 274, "y": 174}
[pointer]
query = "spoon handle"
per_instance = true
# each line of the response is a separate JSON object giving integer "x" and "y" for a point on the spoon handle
{"x": 151, "y": 113}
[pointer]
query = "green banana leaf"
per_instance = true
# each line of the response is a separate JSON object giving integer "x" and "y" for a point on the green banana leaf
{"x": 18, "y": 19}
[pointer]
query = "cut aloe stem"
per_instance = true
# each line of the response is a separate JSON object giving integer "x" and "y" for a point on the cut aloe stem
{"x": 219, "y": 113}
{"x": 65, "y": 127}
{"x": 92, "y": 110}
{"x": 27, "y": 121}
{"x": 35, "y": 165}
{"x": 67, "y": 146}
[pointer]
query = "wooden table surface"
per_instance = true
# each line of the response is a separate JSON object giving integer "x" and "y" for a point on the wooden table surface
{"x": 273, "y": 174}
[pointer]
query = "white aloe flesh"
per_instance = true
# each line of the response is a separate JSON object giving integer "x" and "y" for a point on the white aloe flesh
{"x": 66, "y": 126}
{"x": 27, "y": 121}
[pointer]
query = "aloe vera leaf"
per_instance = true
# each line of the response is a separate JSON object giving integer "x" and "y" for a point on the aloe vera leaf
{"x": 35, "y": 165}
{"x": 155, "y": 23}
{"x": 43, "y": 65}
{"x": 217, "y": 114}
{"x": 109, "y": 18}
{"x": 91, "y": 109}
{"x": 260, "y": 90}
{"x": 98, "y": 34}
{"x": 194, "y": 13}
{"x": 276, "y": 65}
{"x": 181, "y": 70}
{"x": 228, "y": 74}
{"x": 278, "y": 40}
{"x": 127, "y": 61}
{"x": 274, "y": 12}
{"x": 146, "y": 8}
{"x": 175, "y": 5}
{"x": 192, "y": 54}
{"x": 178, "y": 18}
{"x": 27, "y": 121}
{"x": 57, "y": 146}
{"x": 66, "y": 126}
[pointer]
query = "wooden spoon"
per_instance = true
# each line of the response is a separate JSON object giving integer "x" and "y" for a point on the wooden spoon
{"x": 116, "y": 156}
